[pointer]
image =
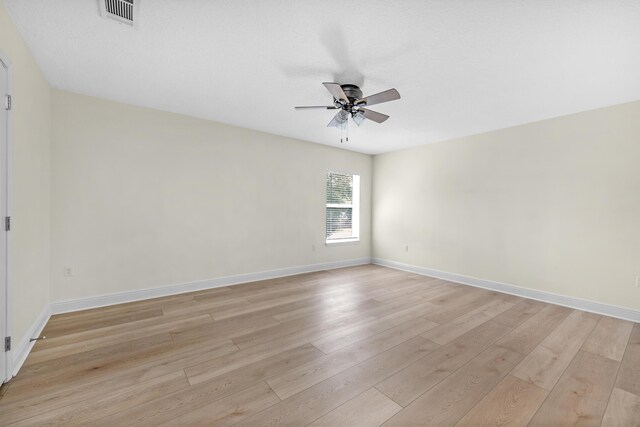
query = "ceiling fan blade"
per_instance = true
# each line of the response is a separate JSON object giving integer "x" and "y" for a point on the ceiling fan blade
{"x": 319, "y": 107}
{"x": 339, "y": 120}
{"x": 379, "y": 98}
{"x": 336, "y": 91}
{"x": 374, "y": 115}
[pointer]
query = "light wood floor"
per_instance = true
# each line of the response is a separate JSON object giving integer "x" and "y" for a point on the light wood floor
{"x": 360, "y": 346}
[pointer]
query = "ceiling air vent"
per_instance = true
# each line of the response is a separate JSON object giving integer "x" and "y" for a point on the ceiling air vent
{"x": 121, "y": 11}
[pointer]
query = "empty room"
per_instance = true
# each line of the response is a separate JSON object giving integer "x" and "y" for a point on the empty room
{"x": 320, "y": 213}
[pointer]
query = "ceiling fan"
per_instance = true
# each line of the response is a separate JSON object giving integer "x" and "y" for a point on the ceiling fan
{"x": 348, "y": 99}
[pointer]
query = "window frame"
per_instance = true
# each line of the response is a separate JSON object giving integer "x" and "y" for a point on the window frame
{"x": 354, "y": 206}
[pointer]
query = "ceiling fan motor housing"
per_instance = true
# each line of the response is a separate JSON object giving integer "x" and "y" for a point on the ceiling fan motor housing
{"x": 353, "y": 92}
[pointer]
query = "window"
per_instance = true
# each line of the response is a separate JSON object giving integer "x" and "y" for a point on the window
{"x": 343, "y": 207}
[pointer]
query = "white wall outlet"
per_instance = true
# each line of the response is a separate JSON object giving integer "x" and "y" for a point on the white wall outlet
{"x": 637, "y": 281}
{"x": 406, "y": 248}
{"x": 68, "y": 271}
{"x": 313, "y": 248}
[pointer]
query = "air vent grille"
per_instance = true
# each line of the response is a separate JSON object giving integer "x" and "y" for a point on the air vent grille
{"x": 122, "y": 11}
{"x": 121, "y": 8}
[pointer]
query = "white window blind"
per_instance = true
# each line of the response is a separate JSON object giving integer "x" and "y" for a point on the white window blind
{"x": 343, "y": 207}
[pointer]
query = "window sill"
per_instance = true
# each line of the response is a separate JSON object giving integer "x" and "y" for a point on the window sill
{"x": 342, "y": 242}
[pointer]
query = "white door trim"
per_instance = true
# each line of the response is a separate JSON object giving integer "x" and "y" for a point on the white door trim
{"x": 5, "y": 192}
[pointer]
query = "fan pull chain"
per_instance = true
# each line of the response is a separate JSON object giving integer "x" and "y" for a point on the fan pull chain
{"x": 347, "y": 129}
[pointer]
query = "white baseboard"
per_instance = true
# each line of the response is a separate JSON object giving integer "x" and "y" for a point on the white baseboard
{"x": 161, "y": 291}
{"x": 19, "y": 355}
{"x": 567, "y": 301}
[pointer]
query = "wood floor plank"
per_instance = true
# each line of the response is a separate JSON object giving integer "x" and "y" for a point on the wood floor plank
{"x": 55, "y": 329}
{"x": 226, "y": 313}
{"x": 3, "y": 389}
{"x": 110, "y": 403}
{"x": 369, "y": 409}
{"x": 229, "y": 410}
{"x": 204, "y": 306}
{"x": 73, "y": 363}
{"x": 314, "y": 402}
{"x": 213, "y": 368}
{"x": 337, "y": 294}
{"x": 41, "y": 400}
{"x": 513, "y": 299}
{"x": 301, "y": 292}
{"x": 520, "y": 313}
{"x": 460, "y": 306}
{"x": 410, "y": 288}
{"x": 513, "y": 402}
{"x": 337, "y": 310}
{"x": 389, "y": 307}
{"x": 273, "y": 309}
{"x": 265, "y": 335}
{"x": 409, "y": 383}
{"x": 450, "y": 294}
{"x": 210, "y": 293}
{"x": 530, "y": 333}
{"x": 450, "y": 400}
{"x": 92, "y": 371}
{"x": 546, "y": 363}
{"x": 223, "y": 329}
{"x": 278, "y": 283}
{"x": 349, "y": 336}
{"x": 629, "y": 375}
{"x": 609, "y": 338}
{"x": 309, "y": 374}
{"x": 581, "y": 396}
{"x": 623, "y": 410}
{"x": 440, "y": 287}
{"x": 446, "y": 333}
{"x": 118, "y": 309}
{"x": 68, "y": 344}
{"x": 203, "y": 394}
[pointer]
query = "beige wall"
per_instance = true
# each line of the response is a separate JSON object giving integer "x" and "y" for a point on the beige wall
{"x": 143, "y": 198}
{"x": 31, "y": 120}
{"x": 552, "y": 206}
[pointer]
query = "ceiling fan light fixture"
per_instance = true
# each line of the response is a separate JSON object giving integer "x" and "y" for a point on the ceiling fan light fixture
{"x": 340, "y": 120}
{"x": 358, "y": 118}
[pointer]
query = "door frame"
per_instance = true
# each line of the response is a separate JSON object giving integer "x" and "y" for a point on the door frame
{"x": 6, "y": 193}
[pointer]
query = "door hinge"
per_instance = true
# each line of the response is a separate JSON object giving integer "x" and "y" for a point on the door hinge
{"x": 7, "y": 343}
{"x": 7, "y": 223}
{"x": 7, "y": 102}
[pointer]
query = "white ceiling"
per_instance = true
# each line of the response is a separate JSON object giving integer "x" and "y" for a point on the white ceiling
{"x": 462, "y": 67}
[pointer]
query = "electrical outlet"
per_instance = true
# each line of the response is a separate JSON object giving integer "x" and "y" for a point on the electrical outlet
{"x": 637, "y": 281}
{"x": 68, "y": 271}
{"x": 313, "y": 248}
{"x": 406, "y": 248}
